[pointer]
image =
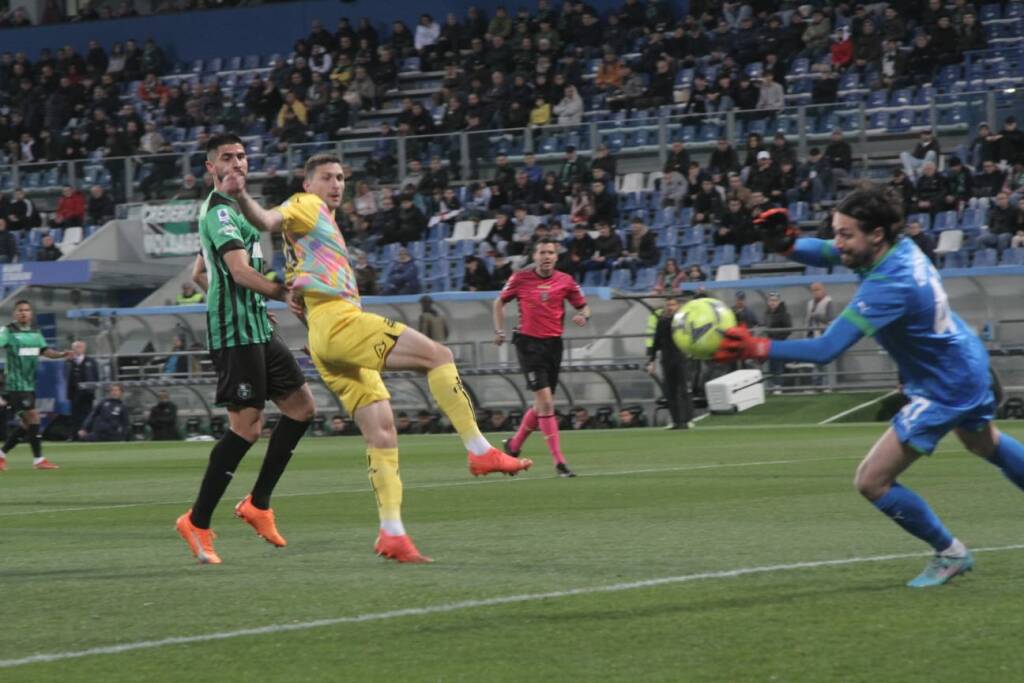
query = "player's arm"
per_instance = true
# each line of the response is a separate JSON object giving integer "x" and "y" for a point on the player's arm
{"x": 54, "y": 354}
{"x": 498, "y": 309}
{"x": 267, "y": 220}
{"x": 579, "y": 302}
{"x": 242, "y": 272}
{"x": 199, "y": 273}
{"x": 740, "y": 344}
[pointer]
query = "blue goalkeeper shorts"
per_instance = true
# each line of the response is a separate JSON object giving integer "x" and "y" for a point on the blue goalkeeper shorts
{"x": 922, "y": 423}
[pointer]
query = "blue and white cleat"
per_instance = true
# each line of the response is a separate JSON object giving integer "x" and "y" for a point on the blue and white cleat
{"x": 941, "y": 569}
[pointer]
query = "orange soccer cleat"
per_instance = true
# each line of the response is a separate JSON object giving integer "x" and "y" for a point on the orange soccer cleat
{"x": 496, "y": 461}
{"x": 399, "y": 548}
{"x": 45, "y": 464}
{"x": 3, "y": 464}
{"x": 260, "y": 520}
{"x": 200, "y": 541}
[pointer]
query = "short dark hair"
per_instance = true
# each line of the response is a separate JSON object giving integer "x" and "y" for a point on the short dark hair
{"x": 873, "y": 208}
{"x": 545, "y": 240}
{"x": 217, "y": 141}
{"x": 318, "y": 160}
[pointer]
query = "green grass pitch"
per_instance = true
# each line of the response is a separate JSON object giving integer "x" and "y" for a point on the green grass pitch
{"x": 721, "y": 554}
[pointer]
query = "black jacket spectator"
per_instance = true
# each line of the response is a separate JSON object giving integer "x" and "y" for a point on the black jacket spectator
{"x": 990, "y": 181}
{"x": 839, "y": 155}
{"x": 163, "y": 421}
{"x": 108, "y": 421}
{"x": 930, "y": 193}
{"x": 8, "y": 245}
{"x": 1002, "y": 220}
{"x": 99, "y": 208}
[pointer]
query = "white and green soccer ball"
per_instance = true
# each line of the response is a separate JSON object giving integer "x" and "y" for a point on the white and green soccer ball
{"x": 699, "y": 326}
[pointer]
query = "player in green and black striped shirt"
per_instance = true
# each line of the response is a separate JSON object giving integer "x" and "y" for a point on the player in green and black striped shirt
{"x": 252, "y": 364}
{"x": 24, "y": 344}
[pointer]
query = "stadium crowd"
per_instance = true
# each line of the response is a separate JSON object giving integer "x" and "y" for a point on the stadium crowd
{"x": 530, "y": 69}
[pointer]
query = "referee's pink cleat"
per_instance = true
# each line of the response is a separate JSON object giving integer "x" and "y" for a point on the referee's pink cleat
{"x": 496, "y": 461}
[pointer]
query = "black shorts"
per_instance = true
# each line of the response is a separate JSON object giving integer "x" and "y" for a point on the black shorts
{"x": 20, "y": 400}
{"x": 247, "y": 376}
{"x": 540, "y": 360}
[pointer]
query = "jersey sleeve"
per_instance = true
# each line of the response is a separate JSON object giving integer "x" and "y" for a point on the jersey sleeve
{"x": 574, "y": 294}
{"x": 5, "y": 336}
{"x": 511, "y": 289}
{"x": 811, "y": 251}
{"x": 221, "y": 225}
{"x": 879, "y": 302}
{"x": 300, "y": 213}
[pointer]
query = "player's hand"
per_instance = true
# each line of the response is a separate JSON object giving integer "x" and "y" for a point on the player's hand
{"x": 739, "y": 344}
{"x": 82, "y": 433}
{"x": 272, "y": 318}
{"x": 499, "y": 338}
{"x": 580, "y": 320}
{"x": 69, "y": 354}
{"x": 296, "y": 304}
{"x": 776, "y": 231}
{"x": 305, "y": 350}
{"x": 233, "y": 184}
{"x": 649, "y": 368}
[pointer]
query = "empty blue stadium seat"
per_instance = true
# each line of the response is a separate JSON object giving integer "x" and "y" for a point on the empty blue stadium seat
{"x": 799, "y": 211}
{"x": 990, "y": 12}
{"x": 724, "y": 255}
{"x": 595, "y": 278}
{"x": 986, "y": 258}
{"x": 923, "y": 218}
{"x": 645, "y": 279}
{"x": 1013, "y": 257}
{"x": 945, "y": 220}
{"x": 751, "y": 254}
{"x": 693, "y": 237}
{"x": 619, "y": 279}
{"x": 251, "y": 62}
{"x": 973, "y": 219}
{"x": 877, "y": 98}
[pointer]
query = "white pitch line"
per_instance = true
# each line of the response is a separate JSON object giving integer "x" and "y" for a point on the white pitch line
{"x": 444, "y": 608}
{"x": 837, "y": 416}
{"x": 447, "y": 484}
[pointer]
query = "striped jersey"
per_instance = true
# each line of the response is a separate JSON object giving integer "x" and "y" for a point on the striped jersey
{"x": 235, "y": 316}
{"x": 316, "y": 256}
{"x": 23, "y": 347}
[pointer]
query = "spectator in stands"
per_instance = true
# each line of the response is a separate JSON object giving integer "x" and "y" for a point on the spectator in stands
{"x": 605, "y": 206}
{"x": 403, "y": 425}
{"x": 70, "y": 208}
{"x": 1011, "y": 142}
{"x": 189, "y": 295}
{"x": 403, "y": 277}
{"x": 922, "y": 239}
{"x": 476, "y": 278}
{"x": 970, "y": 35}
{"x": 569, "y": 109}
{"x": 778, "y": 324}
{"x": 163, "y": 419}
{"x": 607, "y": 250}
{"x": 100, "y": 207}
{"x": 959, "y": 184}
{"x": 580, "y": 251}
{"x": 425, "y": 423}
{"x": 108, "y": 421}
{"x": 927, "y": 150}
{"x": 723, "y": 158}
{"x": 771, "y": 97}
{"x": 48, "y": 250}
{"x": 984, "y": 147}
{"x": 945, "y": 41}
{"x": 840, "y": 157}
{"x": 408, "y": 223}
{"x": 8, "y": 244}
{"x": 814, "y": 180}
{"x": 669, "y": 278}
{"x": 816, "y": 35}
{"x": 22, "y": 214}
{"x": 744, "y": 316}
{"x": 366, "y": 275}
{"x": 431, "y": 322}
{"x": 78, "y": 369}
{"x": 340, "y": 427}
{"x": 708, "y": 204}
{"x": 696, "y": 274}
{"x": 764, "y": 177}
{"x": 820, "y": 312}
{"x": 1002, "y": 224}
{"x": 496, "y": 422}
{"x": 190, "y": 188}
{"x": 177, "y": 363}
{"x": 581, "y": 419}
{"x": 736, "y": 226}
{"x": 629, "y": 93}
{"x": 893, "y": 64}
{"x": 628, "y": 419}
{"x": 922, "y": 60}
{"x": 930, "y": 191}
{"x": 641, "y": 250}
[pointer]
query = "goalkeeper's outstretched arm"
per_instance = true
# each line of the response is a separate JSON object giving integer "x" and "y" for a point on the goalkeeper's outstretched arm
{"x": 840, "y": 335}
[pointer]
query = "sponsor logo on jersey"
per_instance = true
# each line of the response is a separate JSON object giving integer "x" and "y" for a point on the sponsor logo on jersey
{"x": 244, "y": 391}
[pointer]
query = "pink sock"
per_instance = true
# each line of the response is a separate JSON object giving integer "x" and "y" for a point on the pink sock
{"x": 526, "y": 427}
{"x": 549, "y": 425}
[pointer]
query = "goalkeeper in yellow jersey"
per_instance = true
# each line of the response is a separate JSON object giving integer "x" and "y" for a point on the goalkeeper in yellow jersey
{"x": 350, "y": 346}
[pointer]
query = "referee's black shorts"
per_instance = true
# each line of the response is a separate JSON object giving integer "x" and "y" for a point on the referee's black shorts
{"x": 249, "y": 375}
{"x": 540, "y": 360}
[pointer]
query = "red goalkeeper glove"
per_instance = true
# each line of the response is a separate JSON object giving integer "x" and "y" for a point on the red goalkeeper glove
{"x": 776, "y": 231}
{"x": 739, "y": 344}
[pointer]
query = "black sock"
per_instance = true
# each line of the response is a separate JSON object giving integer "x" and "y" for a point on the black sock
{"x": 13, "y": 439}
{"x": 279, "y": 451}
{"x": 35, "y": 441}
{"x": 224, "y": 459}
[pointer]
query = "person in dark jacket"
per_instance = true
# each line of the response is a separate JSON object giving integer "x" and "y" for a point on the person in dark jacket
{"x": 930, "y": 192}
{"x": 476, "y": 278}
{"x": 840, "y": 156}
{"x": 8, "y": 244}
{"x": 163, "y": 419}
{"x": 777, "y": 323}
{"x": 674, "y": 365}
{"x": 641, "y": 250}
{"x": 605, "y": 249}
{"x": 108, "y": 421}
{"x": 922, "y": 239}
{"x": 99, "y": 207}
{"x": 403, "y": 278}
{"x": 78, "y": 369}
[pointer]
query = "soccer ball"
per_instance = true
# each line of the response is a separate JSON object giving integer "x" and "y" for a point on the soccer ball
{"x": 699, "y": 326}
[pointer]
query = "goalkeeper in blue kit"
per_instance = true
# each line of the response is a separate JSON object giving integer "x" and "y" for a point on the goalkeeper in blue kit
{"x": 942, "y": 364}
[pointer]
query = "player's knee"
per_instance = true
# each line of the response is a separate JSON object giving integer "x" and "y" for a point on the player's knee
{"x": 382, "y": 436}
{"x": 442, "y": 355}
{"x": 868, "y": 486}
{"x": 306, "y": 411}
{"x": 249, "y": 431}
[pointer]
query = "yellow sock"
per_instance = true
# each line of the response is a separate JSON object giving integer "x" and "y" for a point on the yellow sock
{"x": 452, "y": 398}
{"x": 382, "y": 464}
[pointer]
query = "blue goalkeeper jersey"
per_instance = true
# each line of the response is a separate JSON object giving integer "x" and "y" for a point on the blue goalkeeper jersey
{"x": 901, "y": 303}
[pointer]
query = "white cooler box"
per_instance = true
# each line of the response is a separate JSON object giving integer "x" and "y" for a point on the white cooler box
{"x": 735, "y": 392}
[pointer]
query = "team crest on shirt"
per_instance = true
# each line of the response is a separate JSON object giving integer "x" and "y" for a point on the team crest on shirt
{"x": 379, "y": 348}
{"x": 244, "y": 391}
